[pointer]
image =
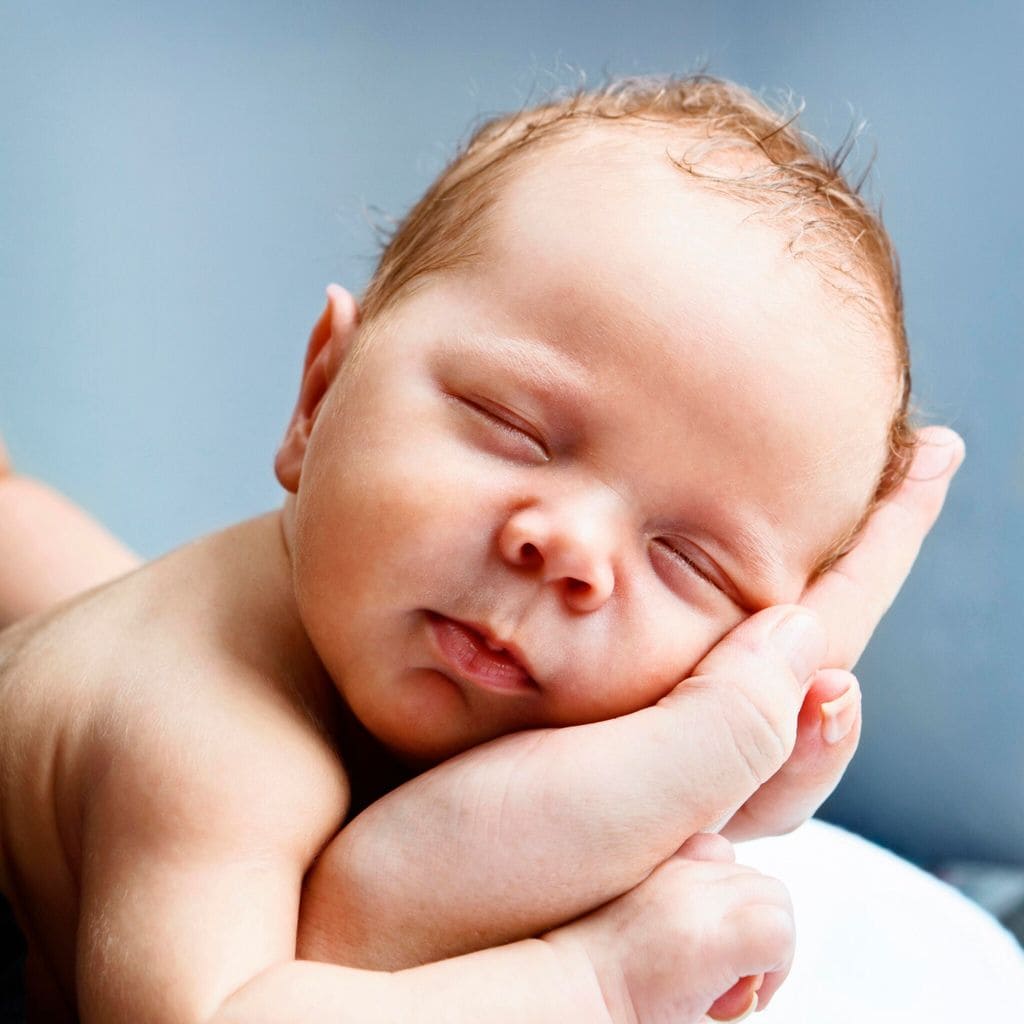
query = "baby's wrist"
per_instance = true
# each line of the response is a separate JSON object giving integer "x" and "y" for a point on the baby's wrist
{"x": 584, "y": 973}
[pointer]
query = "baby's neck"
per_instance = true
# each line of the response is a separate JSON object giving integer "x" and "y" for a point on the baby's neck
{"x": 275, "y": 636}
{"x": 258, "y": 618}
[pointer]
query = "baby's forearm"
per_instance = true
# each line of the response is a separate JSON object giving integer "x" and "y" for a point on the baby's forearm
{"x": 522, "y": 834}
{"x": 531, "y": 982}
{"x": 505, "y": 842}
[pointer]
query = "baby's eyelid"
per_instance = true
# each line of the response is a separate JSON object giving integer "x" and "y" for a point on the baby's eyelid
{"x": 700, "y": 568}
{"x": 509, "y": 420}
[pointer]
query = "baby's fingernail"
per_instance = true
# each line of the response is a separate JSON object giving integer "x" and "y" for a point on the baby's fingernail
{"x": 941, "y": 449}
{"x": 801, "y": 640}
{"x": 838, "y": 716}
{"x": 743, "y": 1015}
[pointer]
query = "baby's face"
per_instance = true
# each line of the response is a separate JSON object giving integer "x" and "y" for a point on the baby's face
{"x": 553, "y": 481}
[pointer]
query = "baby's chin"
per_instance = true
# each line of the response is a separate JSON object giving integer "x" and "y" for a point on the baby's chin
{"x": 423, "y": 751}
{"x": 417, "y": 761}
{"x": 426, "y": 747}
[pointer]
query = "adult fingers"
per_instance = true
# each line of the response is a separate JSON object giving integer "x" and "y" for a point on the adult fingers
{"x": 854, "y": 594}
{"x": 657, "y": 776}
{"x": 828, "y": 730}
{"x": 850, "y": 600}
{"x": 739, "y": 708}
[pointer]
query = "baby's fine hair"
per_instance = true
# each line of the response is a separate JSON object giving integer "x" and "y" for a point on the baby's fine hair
{"x": 780, "y": 169}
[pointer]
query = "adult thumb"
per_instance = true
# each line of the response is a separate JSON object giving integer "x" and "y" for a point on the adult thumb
{"x": 790, "y": 637}
{"x": 753, "y": 682}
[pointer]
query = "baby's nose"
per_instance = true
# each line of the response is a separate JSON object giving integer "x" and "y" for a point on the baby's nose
{"x": 570, "y": 545}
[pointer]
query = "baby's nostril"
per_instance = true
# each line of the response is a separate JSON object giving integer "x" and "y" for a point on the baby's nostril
{"x": 529, "y": 554}
{"x": 575, "y": 586}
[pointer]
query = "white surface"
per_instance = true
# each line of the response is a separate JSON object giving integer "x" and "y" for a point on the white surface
{"x": 878, "y": 940}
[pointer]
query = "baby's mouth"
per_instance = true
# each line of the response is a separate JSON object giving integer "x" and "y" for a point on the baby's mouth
{"x": 469, "y": 653}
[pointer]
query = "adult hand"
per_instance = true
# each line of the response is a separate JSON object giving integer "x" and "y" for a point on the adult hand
{"x": 849, "y": 600}
{"x": 522, "y": 834}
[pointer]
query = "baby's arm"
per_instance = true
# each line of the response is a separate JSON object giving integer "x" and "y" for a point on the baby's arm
{"x": 208, "y": 942}
{"x": 191, "y": 869}
{"x": 667, "y": 950}
{"x": 535, "y": 828}
{"x": 49, "y": 548}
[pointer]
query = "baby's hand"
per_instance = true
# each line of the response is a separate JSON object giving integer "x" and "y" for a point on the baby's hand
{"x": 694, "y": 938}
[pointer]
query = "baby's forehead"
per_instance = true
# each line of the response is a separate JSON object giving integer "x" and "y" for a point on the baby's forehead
{"x": 624, "y": 177}
{"x": 614, "y": 205}
{"x": 602, "y": 166}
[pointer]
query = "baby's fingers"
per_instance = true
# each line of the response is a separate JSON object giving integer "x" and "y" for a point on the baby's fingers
{"x": 707, "y": 846}
{"x": 828, "y": 730}
{"x": 738, "y": 1003}
{"x": 761, "y": 938}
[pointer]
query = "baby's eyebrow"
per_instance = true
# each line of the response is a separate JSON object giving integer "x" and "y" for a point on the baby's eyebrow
{"x": 543, "y": 366}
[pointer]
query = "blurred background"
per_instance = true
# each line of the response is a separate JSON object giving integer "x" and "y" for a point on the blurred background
{"x": 178, "y": 182}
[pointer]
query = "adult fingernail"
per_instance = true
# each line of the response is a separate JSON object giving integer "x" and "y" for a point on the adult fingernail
{"x": 801, "y": 641}
{"x": 838, "y": 716}
{"x": 940, "y": 450}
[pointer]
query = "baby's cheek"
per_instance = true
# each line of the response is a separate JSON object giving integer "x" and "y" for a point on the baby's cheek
{"x": 635, "y": 664}
{"x": 673, "y": 645}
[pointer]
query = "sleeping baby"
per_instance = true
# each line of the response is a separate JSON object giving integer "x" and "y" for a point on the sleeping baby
{"x": 631, "y": 378}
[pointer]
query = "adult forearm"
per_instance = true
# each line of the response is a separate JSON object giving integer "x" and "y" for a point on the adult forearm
{"x": 530, "y": 982}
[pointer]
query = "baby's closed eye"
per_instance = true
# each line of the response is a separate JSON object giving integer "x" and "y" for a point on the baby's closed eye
{"x": 515, "y": 437}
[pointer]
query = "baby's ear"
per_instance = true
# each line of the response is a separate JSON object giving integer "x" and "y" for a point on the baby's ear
{"x": 329, "y": 342}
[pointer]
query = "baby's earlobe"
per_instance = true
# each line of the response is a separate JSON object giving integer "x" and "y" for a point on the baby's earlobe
{"x": 290, "y": 455}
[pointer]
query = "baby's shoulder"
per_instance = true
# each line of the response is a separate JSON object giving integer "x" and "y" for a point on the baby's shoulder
{"x": 135, "y": 705}
{"x": 219, "y": 751}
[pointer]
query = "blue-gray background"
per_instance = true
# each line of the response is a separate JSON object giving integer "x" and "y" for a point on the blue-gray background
{"x": 179, "y": 181}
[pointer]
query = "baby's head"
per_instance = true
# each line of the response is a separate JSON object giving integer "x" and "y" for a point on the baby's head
{"x": 633, "y": 368}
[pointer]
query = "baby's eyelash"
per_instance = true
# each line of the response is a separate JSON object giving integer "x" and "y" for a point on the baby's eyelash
{"x": 690, "y": 564}
{"x": 504, "y": 420}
